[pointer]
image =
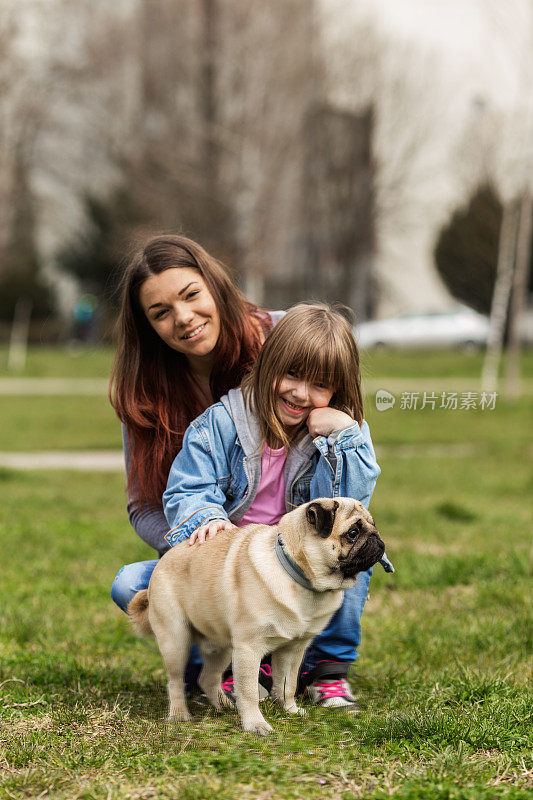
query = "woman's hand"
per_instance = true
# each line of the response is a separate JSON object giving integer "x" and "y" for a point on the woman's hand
{"x": 323, "y": 421}
{"x": 209, "y": 531}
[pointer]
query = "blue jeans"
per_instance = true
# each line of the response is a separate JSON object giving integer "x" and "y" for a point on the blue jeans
{"x": 337, "y": 642}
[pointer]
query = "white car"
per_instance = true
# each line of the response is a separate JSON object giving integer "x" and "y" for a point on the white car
{"x": 461, "y": 328}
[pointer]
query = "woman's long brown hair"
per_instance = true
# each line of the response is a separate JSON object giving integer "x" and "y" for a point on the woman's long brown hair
{"x": 151, "y": 387}
{"x": 315, "y": 342}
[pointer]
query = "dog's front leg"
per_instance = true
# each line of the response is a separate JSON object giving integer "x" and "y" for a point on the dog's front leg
{"x": 285, "y": 667}
{"x": 246, "y": 661}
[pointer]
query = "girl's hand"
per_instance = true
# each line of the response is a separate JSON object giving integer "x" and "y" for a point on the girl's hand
{"x": 209, "y": 531}
{"x": 323, "y": 421}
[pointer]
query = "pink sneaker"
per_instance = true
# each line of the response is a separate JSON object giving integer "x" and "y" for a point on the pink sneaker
{"x": 332, "y": 693}
{"x": 265, "y": 674}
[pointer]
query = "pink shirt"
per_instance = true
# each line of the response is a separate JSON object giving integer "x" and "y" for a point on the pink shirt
{"x": 268, "y": 505}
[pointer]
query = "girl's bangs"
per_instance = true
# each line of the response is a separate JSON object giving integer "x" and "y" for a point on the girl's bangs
{"x": 319, "y": 362}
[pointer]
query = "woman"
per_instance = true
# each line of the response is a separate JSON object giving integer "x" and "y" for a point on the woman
{"x": 186, "y": 335}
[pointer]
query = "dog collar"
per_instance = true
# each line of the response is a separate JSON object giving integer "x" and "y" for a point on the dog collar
{"x": 291, "y": 567}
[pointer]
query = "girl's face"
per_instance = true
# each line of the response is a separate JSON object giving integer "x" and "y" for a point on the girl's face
{"x": 296, "y": 398}
{"x": 181, "y": 310}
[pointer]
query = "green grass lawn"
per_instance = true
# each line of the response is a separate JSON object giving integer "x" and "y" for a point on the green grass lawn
{"x": 431, "y": 363}
{"x": 61, "y": 362}
{"x": 47, "y": 422}
{"x": 445, "y": 661}
{"x": 33, "y": 422}
{"x": 446, "y": 655}
{"x": 95, "y": 362}
{"x": 42, "y": 422}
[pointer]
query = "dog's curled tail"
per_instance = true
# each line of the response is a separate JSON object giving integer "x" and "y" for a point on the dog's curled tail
{"x": 138, "y": 613}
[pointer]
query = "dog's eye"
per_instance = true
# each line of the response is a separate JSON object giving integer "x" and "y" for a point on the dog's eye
{"x": 354, "y": 532}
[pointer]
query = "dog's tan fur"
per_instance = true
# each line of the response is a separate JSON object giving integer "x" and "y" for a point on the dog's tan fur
{"x": 233, "y": 598}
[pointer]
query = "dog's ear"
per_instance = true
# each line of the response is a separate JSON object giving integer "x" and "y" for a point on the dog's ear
{"x": 321, "y": 518}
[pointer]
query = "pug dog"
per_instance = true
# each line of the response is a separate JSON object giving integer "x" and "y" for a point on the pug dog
{"x": 252, "y": 591}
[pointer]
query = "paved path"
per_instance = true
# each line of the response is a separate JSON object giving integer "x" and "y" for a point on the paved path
{"x": 99, "y": 386}
{"x": 42, "y": 386}
{"x": 113, "y": 460}
{"x": 96, "y": 460}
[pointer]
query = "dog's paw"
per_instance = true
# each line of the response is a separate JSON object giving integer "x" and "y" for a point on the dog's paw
{"x": 225, "y": 701}
{"x": 258, "y": 726}
{"x": 181, "y": 716}
{"x": 288, "y": 706}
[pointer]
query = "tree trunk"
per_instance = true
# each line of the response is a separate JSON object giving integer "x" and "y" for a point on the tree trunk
{"x": 519, "y": 293}
{"x": 500, "y": 297}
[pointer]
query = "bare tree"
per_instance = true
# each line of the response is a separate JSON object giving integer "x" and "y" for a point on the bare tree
{"x": 413, "y": 102}
{"x": 338, "y": 207}
{"x": 515, "y": 237}
{"x": 267, "y": 84}
{"x": 21, "y": 114}
{"x": 21, "y": 93}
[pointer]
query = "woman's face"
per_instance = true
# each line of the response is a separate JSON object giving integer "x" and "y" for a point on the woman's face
{"x": 181, "y": 310}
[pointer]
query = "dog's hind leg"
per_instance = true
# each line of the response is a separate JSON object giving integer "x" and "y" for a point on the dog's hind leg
{"x": 246, "y": 661}
{"x": 174, "y": 640}
{"x": 215, "y": 662}
{"x": 285, "y": 666}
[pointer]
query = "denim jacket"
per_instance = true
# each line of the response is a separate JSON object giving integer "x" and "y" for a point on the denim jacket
{"x": 217, "y": 472}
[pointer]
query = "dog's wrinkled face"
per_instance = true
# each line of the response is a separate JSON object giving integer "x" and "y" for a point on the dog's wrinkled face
{"x": 345, "y": 536}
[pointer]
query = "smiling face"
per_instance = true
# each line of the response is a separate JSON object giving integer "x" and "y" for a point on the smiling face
{"x": 296, "y": 398}
{"x": 181, "y": 310}
{"x": 308, "y": 361}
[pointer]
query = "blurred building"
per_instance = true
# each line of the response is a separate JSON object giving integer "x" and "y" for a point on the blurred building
{"x": 452, "y": 87}
{"x": 318, "y": 147}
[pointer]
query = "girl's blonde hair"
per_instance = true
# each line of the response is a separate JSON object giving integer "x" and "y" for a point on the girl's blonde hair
{"x": 315, "y": 342}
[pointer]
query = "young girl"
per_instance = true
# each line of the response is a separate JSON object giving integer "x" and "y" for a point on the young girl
{"x": 292, "y": 433}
